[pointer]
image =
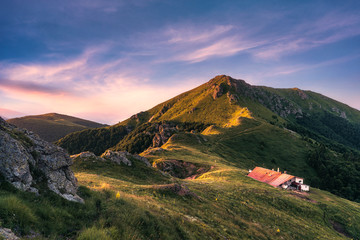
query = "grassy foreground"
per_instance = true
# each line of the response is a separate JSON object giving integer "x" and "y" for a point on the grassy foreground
{"x": 124, "y": 202}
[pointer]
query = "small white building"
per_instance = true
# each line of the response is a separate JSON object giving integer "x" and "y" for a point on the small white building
{"x": 299, "y": 180}
{"x": 304, "y": 187}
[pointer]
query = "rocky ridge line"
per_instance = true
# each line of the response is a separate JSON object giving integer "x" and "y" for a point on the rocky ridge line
{"x": 118, "y": 157}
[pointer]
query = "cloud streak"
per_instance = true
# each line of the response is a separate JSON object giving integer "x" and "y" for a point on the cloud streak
{"x": 328, "y": 29}
{"x": 222, "y": 48}
{"x": 29, "y": 87}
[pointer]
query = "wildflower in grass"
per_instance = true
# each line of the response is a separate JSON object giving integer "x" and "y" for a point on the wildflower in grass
{"x": 278, "y": 230}
{"x": 117, "y": 195}
{"x": 215, "y": 199}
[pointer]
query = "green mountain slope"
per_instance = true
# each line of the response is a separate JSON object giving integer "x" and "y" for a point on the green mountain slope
{"x": 299, "y": 131}
{"x": 222, "y": 100}
{"x": 201, "y": 144}
{"x": 53, "y": 126}
{"x": 138, "y": 202}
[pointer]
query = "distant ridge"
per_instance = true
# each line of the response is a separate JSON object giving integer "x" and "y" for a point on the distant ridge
{"x": 53, "y": 126}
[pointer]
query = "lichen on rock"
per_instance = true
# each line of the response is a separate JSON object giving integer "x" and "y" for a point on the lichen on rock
{"x": 22, "y": 153}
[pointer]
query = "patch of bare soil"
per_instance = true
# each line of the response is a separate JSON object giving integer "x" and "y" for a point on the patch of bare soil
{"x": 302, "y": 195}
{"x": 340, "y": 228}
{"x": 181, "y": 169}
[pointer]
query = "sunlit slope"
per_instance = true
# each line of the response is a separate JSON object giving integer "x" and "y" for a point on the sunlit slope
{"x": 208, "y": 103}
{"x": 138, "y": 202}
{"x": 225, "y": 203}
{"x": 53, "y": 126}
{"x": 223, "y": 100}
{"x": 204, "y": 104}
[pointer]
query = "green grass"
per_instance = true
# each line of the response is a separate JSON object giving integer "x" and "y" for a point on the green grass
{"x": 48, "y": 215}
{"x": 228, "y": 205}
{"x": 138, "y": 173}
{"x": 95, "y": 233}
{"x": 17, "y": 212}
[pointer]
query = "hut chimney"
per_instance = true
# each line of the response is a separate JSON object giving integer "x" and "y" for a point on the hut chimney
{"x": 278, "y": 170}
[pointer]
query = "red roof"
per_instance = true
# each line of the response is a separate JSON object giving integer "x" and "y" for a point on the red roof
{"x": 269, "y": 176}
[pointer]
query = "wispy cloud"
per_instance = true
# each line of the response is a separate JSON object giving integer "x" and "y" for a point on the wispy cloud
{"x": 224, "y": 47}
{"x": 328, "y": 29}
{"x": 262, "y": 76}
{"x": 195, "y": 43}
{"x": 192, "y": 35}
{"x": 291, "y": 69}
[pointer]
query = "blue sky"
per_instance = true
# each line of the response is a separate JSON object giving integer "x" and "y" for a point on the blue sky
{"x": 106, "y": 60}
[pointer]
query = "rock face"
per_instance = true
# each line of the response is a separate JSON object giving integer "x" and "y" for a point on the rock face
{"x": 219, "y": 90}
{"x": 6, "y": 233}
{"x": 117, "y": 157}
{"x": 86, "y": 155}
{"x": 26, "y": 159}
{"x": 165, "y": 131}
{"x": 240, "y": 89}
{"x": 122, "y": 157}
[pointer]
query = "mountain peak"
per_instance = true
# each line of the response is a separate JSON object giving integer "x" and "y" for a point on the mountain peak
{"x": 224, "y": 79}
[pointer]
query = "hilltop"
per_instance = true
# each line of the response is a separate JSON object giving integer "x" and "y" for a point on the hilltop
{"x": 302, "y": 131}
{"x": 53, "y": 126}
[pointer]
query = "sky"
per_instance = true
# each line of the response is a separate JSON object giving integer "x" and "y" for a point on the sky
{"x": 105, "y": 60}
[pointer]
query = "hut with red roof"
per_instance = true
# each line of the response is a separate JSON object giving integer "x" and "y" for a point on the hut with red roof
{"x": 278, "y": 179}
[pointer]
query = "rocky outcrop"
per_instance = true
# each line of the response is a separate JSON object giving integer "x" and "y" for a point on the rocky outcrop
{"x": 122, "y": 157}
{"x": 341, "y": 113}
{"x": 165, "y": 131}
{"x": 218, "y": 91}
{"x": 276, "y": 103}
{"x": 86, "y": 156}
{"x": 6, "y": 233}
{"x": 26, "y": 159}
{"x": 119, "y": 157}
